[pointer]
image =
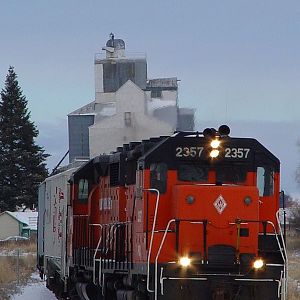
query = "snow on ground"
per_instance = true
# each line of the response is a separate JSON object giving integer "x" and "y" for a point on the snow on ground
{"x": 296, "y": 253}
{"x": 5, "y": 252}
{"x": 35, "y": 290}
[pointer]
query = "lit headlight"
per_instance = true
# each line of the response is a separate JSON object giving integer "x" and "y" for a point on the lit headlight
{"x": 184, "y": 261}
{"x": 215, "y": 144}
{"x": 258, "y": 264}
{"x": 214, "y": 153}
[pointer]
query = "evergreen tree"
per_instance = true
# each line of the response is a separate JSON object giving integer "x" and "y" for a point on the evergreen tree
{"x": 22, "y": 162}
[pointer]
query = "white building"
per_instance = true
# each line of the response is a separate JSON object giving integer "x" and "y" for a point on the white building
{"x": 127, "y": 106}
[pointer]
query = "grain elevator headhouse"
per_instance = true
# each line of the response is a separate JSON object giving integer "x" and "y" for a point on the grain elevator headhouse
{"x": 114, "y": 69}
{"x": 127, "y": 105}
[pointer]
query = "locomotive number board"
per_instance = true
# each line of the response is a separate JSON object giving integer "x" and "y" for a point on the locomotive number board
{"x": 201, "y": 152}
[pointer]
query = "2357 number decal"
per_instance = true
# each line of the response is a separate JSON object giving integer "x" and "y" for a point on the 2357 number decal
{"x": 189, "y": 151}
{"x": 237, "y": 152}
{"x": 195, "y": 152}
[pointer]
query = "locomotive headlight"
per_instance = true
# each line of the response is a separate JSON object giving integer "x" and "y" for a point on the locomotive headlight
{"x": 184, "y": 261}
{"x": 258, "y": 264}
{"x": 214, "y": 153}
{"x": 215, "y": 143}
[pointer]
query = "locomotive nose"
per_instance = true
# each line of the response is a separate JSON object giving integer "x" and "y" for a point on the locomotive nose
{"x": 215, "y": 218}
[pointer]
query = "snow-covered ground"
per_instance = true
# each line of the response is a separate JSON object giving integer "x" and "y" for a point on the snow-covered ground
{"x": 35, "y": 290}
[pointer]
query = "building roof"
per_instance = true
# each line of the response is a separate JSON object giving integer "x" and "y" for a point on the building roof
{"x": 108, "y": 109}
{"x": 162, "y": 83}
{"x": 29, "y": 218}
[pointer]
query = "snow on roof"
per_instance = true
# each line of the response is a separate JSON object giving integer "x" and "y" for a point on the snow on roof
{"x": 88, "y": 109}
{"x": 29, "y": 218}
{"x": 163, "y": 82}
{"x": 154, "y": 104}
{"x": 97, "y": 109}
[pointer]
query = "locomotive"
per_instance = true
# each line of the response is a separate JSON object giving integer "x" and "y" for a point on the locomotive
{"x": 194, "y": 215}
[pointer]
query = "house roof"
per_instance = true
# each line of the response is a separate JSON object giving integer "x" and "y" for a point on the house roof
{"x": 29, "y": 218}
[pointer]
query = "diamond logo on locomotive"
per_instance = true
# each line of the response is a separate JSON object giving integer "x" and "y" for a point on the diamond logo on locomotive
{"x": 220, "y": 204}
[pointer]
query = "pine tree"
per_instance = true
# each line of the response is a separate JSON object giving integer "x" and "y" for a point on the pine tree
{"x": 22, "y": 162}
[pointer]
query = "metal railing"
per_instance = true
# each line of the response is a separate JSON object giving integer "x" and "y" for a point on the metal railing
{"x": 152, "y": 237}
{"x": 283, "y": 253}
{"x": 166, "y": 231}
{"x": 109, "y": 253}
{"x": 95, "y": 255}
{"x": 282, "y": 281}
{"x": 128, "y": 55}
{"x": 157, "y": 255}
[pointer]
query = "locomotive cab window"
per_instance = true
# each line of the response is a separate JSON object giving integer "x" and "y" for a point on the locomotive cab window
{"x": 83, "y": 190}
{"x": 265, "y": 181}
{"x": 158, "y": 176}
{"x": 231, "y": 174}
{"x": 189, "y": 172}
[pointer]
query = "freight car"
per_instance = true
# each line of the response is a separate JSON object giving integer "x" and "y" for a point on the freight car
{"x": 188, "y": 216}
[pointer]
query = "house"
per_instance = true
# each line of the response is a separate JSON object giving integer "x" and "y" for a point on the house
{"x": 18, "y": 224}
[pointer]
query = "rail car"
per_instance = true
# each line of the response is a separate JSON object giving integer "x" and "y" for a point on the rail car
{"x": 187, "y": 216}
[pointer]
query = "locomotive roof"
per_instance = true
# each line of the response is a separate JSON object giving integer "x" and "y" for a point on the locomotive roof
{"x": 160, "y": 149}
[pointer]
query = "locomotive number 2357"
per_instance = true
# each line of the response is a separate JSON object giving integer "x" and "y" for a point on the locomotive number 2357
{"x": 237, "y": 152}
{"x": 189, "y": 151}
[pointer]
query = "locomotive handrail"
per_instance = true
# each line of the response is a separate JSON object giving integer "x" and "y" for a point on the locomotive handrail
{"x": 284, "y": 257}
{"x": 157, "y": 255}
{"x": 161, "y": 280}
{"x": 94, "y": 257}
{"x": 161, "y": 245}
{"x": 281, "y": 234}
{"x": 279, "y": 285}
{"x": 285, "y": 253}
{"x": 109, "y": 237}
{"x": 97, "y": 249}
{"x": 281, "y": 246}
{"x": 152, "y": 236}
{"x": 282, "y": 249}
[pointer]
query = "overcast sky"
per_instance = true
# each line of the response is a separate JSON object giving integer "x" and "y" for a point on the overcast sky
{"x": 238, "y": 61}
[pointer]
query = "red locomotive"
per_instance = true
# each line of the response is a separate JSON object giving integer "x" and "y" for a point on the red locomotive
{"x": 189, "y": 216}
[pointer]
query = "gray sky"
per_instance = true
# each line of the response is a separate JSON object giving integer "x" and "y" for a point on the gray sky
{"x": 238, "y": 61}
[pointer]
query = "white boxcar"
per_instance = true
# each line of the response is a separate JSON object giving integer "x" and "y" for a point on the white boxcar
{"x": 54, "y": 195}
